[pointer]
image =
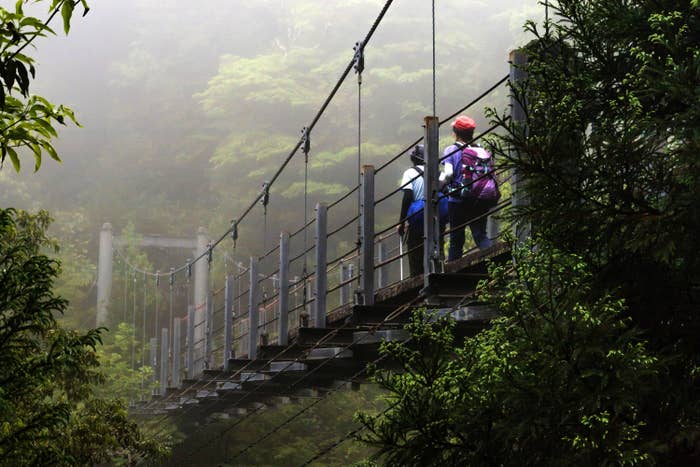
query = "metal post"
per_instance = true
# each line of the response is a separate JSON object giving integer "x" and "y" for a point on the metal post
{"x": 201, "y": 268}
{"x": 190, "y": 342}
{"x": 208, "y": 344}
{"x": 296, "y": 298}
{"x": 308, "y": 308}
{"x": 228, "y": 319}
{"x": 492, "y": 227}
{"x": 343, "y": 273}
{"x": 253, "y": 310}
{"x": 366, "y": 293}
{"x": 163, "y": 360}
{"x": 153, "y": 355}
{"x": 518, "y": 62}
{"x": 431, "y": 222}
{"x": 401, "y": 273}
{"x": 177, "y": 338}
{"x": 381, "y": 270}
{"x": 201, "y": 287}
{"x": 283, "y": 321}
{"x": 104, "y": 273}
{"x": 319, "y": 317}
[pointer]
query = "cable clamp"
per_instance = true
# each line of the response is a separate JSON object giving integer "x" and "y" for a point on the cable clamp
{"x": 210, "y": 254}
{"x": 359, "y": 60}
{"x": 189, "y": 270}
{"x": 306, "y": 143}
{"x": 157, "y": 278}
{"x": 234, "y": 231}
{"x": 172, "y": 277}
{"x": 265, "y": 199}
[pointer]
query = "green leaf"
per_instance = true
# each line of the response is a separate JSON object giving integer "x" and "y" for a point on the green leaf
{"x": 22, "y": 78}
{"x": 86, "y": 8}
{"x": 18, "y": 7}
{"x": 37, "y": 156}
{"x": 50, "y": 149}
{"x": 45, "y": 126}
{"x": 67, "y": 13}
{"x": 14, "y": 158}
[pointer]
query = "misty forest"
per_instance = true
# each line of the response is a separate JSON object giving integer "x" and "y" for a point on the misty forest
{"x": 209, "y": 253}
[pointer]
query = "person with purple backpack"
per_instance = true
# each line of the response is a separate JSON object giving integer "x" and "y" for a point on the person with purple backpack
{"x": 468, "y": 172}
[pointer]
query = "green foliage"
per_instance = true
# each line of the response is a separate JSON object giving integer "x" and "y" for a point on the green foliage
{"x": 121, "y": 379}
{"x": 610, "y": 155}
{"x": 27, "y": 122}
{"x": 559, "y": 378}
{"x": 48, "y": 410}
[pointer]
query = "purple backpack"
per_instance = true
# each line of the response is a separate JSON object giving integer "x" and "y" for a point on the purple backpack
{"x": 474, "y": 175}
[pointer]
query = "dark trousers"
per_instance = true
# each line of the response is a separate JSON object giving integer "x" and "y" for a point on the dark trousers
{"x": 459, "y": 215}
{"x": 414, "y": 239}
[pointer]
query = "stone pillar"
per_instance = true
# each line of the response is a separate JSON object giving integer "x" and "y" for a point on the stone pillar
{"x": 201, "y": 285}
{"x": 104, "y": 273}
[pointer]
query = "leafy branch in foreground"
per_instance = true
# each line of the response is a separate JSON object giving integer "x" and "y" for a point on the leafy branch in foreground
{"x": 560, "y": 378}
{"x": 49, "y": 411}
{"x": 27, "y": 122}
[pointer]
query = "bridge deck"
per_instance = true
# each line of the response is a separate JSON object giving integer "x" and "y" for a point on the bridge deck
{"x": 325, "y": 359}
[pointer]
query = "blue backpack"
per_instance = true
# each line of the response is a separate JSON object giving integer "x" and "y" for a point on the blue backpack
{"x": 415, "y": 211}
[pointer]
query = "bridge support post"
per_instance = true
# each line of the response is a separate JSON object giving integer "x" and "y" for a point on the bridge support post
{"x": 344, "y": 296}
{"x": 283, "y": 320}
{"x": 104, "y": 273}
{"x": 253, "y": 310}
{"x": 518, "y": 62}
{"x": 177, "y": 339}
{"x": 190, "y": 341}
{"x": 153, "y": 356}
{"x": 381, "y": 270}
{"x": 319, "y": 318}
{"x": 164, "y": 346}
{"x": 201, "y": 287}
{"x": 209, "y": 324}
{"x": 365, "y": 294}
{"x": 228, "y": 319}
{"x": 431, "y": 223}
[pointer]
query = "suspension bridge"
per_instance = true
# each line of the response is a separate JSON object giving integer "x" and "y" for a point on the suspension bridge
{"x": 305, "y": 318}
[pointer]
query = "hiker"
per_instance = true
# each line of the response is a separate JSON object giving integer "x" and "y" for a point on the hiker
{"x": 412, "y": 210}
{"x": 412, "y": 206}
{"x": 472, "y": 187}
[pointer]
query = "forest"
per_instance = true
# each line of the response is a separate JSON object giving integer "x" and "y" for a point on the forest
{"x": 163, "y": 117}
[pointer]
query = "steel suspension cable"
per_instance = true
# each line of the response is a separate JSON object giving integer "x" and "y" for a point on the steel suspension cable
{"x": 306, "y": 149}
{"x": 434, "y": 68}
{"x": 171, "y": 323}
{"x": 143, "y": 335}
{"x": 359, "y": 68}
{"x": 125, "y": 310}
{"x": 155, "y": 298}
{"x": 133, "y": 328}
{"x": 310, "y": 127}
